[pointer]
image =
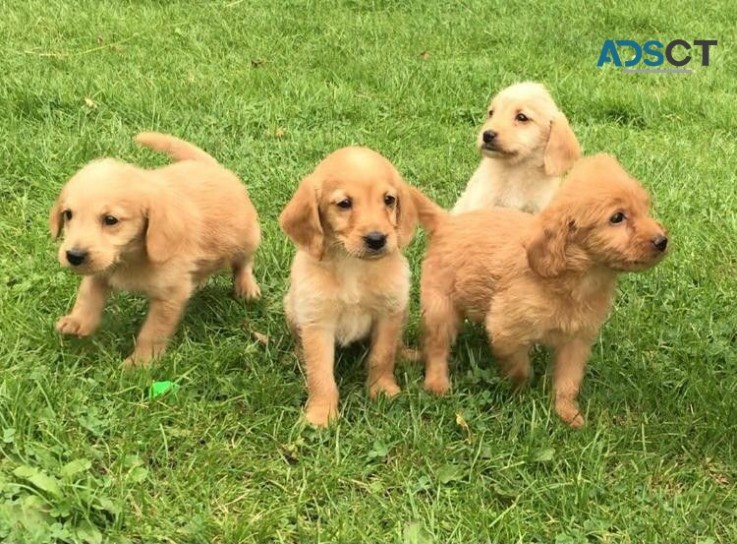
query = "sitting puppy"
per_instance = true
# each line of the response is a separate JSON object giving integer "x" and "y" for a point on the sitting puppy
{"x": 159, "y": 232}
{"x": 526, "y": 144}
{"x": 546, "y": 279}
{"x": 349, "y": 219}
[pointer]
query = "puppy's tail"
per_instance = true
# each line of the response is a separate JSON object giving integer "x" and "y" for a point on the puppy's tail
{"x": 177, "y": 149}
{"x": 431, "y": 215}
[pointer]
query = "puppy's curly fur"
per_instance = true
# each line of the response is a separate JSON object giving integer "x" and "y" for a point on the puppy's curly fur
{"x": 526, "y": 144}
{"x": 159, "y": 232}
{"x": 546, "y": 279}
{"x": 349, "y": 280}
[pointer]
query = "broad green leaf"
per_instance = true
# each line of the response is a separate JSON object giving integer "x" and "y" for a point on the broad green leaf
{"x": 449, "y": 473}
{"x": 138, "y": 474}
{"x": 40, "y": 479}
{"x": 74, "y": 467}
{"x": 103, "y": 503}
{"x": 543, "y": 456}
{"x": 86, "y": 532}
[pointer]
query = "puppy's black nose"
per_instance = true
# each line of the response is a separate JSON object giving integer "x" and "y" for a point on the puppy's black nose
{"x": 660, "y": 242}
{"x": 488, "y": 136}
{"x": 76, "y": 256}
{"x": 375, "y": 240}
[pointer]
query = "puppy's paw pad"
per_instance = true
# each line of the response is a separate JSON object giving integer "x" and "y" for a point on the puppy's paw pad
{"x": 438, "y": 386}
{"x": 320, "y": 415}
{"x": 136, "y": 362}
{"x": 570, "y": 413}
{"x": 386, "y": 387}
{"x": 248, "y": 289}
{"x": 72, "y": 326}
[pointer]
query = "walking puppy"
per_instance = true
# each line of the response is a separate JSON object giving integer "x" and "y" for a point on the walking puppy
{"x": 546, "y": 279}
{"x": 526, "y": 144}
{"x": 158, "y": 232}
{"x": 349, "y": 280}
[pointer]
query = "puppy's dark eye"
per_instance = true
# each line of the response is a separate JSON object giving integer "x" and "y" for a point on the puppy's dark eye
{"x": 617, "y": 218}
{"x": 522, "y": 118}
{"x": 67, "y": 214}
{"x": 109, "y": 220}
{"x": 389, "y": 200}
{"x": 345, "y": 204}
{"x": 491, "y": 112}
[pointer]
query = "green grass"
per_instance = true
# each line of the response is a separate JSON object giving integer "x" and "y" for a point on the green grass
{"x": 269, "y": 88}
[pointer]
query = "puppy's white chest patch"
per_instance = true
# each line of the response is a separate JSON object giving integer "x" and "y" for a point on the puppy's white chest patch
{"x": 361, "y": 294}
{"x": 354, "y": 323}
{"x": 350, "y": 295}
{"x": 356, "y": 304}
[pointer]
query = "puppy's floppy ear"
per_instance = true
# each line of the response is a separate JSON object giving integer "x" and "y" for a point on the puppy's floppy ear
{"x": 562, "y": 149}
{"x": 300, "y": 219}
{"x": 546, "y": 250}
{"x": 56, "y": 221}
{"x": 168, "y": 230}
{"x": 406, "y": 216}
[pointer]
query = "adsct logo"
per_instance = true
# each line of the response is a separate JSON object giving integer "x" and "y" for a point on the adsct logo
{"x": 653, "y": 54}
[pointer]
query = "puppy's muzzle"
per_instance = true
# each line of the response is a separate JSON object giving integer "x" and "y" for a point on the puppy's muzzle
{"x": 660, "y": 243}
{"x": 489, "y": 139}
{"x": 76, "y": 257}
{"x": 375, "y": 241}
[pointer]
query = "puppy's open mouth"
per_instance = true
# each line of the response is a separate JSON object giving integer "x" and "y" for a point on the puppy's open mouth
{"x": 373, "y": 254}
{"x": 88, "y": 270}
{"x": 640, "y": 265}
{"x": 491, "y": 149}
{"x": 368, "y": 254}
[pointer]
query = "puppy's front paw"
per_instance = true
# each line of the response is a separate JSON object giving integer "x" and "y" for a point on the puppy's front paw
{"x": 73, "y": 326}
{"x": 247, "y": 288}
{"x": 387, "y": 386}
{"x": 437, "y": 384}
{"x": 135, "y": 362}
{"x": 569, "y": 412}
{"x": 320, "y": 414}
{"x": 142, "y": 357}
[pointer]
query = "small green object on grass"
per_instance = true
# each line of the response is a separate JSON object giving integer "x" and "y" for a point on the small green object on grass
{"x": 159, "y": 388}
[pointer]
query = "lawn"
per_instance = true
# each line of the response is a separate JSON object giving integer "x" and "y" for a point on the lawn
{"x": 269, "y": 88}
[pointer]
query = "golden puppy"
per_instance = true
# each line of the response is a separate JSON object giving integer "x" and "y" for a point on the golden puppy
{"x": 546, "y": 279}
{"x": 526, "y": 144}
{"x": 349, "y": 280}
{"x": 158, "y": 232}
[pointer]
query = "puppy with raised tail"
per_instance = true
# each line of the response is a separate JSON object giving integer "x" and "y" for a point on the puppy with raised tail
{"x": 526, "y": 144}
{"x": 159, "y": 232}
{"x": 349, "y": 281}
{"x": 547, "y": 279}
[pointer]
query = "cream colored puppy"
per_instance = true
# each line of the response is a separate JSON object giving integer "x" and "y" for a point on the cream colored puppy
{"x": 526, "y": 144}
{"x": 349, "y": 280}
{"x": 158, "y": 232}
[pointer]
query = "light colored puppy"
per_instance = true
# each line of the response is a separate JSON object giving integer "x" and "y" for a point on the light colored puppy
{"x": 158, "y": 232}
{"x": 546, "y": 279}
{"x": 526, "y": 144}
{"x": 349, "y": 281}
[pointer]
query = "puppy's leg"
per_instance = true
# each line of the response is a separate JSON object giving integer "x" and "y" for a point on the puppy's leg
{"x": 243, "y": 279}
{"x": 405, "y": 352}
{"x": 294, "y": 332}
{"x": 570, "y": 365}
{"x": 87, "y": 312}
{"x": 386, "y": 337}
{"x": 514, "y": 365}
{"x": 318, "y": 348}
{"x": 161, "y": 322}
{"x": 439, "y": 329}
{"x": 511, "y": 352}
